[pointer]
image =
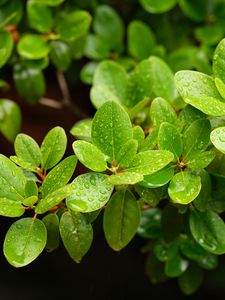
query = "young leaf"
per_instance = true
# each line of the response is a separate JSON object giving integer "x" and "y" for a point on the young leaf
{"x": 169, "y": 139}
{"x": 111, "y": 129}
{"x": 82, "y": 130}
{"x": 141, "y": 40}
{"x": 39, "y": 17}
{"x": 149, "y": 162}
{"x": 138, "y": 135}
{"x": 196, "y": 138}
{"x": 51, "y": 222}
{"x": 72, "y": 25}
{"x": 219, "y": 61}
{"x": 122, "y": 207}
{"x": 96, "y": 48}
{"x": 125, "y": 178}
{"x": 87, "y": 72}
{"x": 27, "y": 150}
{"x": 59, "y": 176}
{"x": 220, "y": 87}
{"x": 26, "y": 166}
{"x": 53, "y": 147}
{"x": 85, "y": 152}
{"x": 208, "y": 229}
{"x": 218, "y": 138}
{"x": 24, "y": 241}
{"x": 6, "y": 46}
{"x": 12, "y": 180}
{"x": 31, "y": 188}
{"x": 53, "y": 199}
{"x": 159, "y": 6}
{"x": 127, "y": 153}
{"x": 199, "y": 90}
{"x": 150, "y": 141}
{"x": 11, "y": 208}
{"x": 162, "y": 111}
{"x": 90, "y": 192}
{"x": 33, "y": 46}
{"x": 76, "y": 233}
{"x": 10, "y": 111}
{"x": 158, "y": 178}
{"x": 184, "y": 187}
{"x": 190, "y": 280}
{"x": 112, "y": 76}
{"x": 149, "y": 226}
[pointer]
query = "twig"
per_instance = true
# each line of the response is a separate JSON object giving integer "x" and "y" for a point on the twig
{"x": 51, "y": 103}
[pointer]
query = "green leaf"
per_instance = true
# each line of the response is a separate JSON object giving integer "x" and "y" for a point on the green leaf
{"x": 30, "y": 201}
{"x": 53, "y": 147}
{"x": 218, "y": 138}
{"x": 60, "y": 55}
{"x": 48, "y": 2}
{"x": 149, "y": 162}
{"x": 184, "y": 187}
{"x": 109, "y": 26}
{"x": 11, "y": 13}
{"x": 210, "y": 34}
{"x": 125, "y": 178}
{"x": 208, "y": 229}
{"x": 33, "y": 46}
{"x": 27, "y": 150}
{"x": 219, "y": 61}
{"x": 169, "y": 139}
{"x": 91, "y": 191}
{"x": 26, "y": 166}
{"x": 165, "y": 251}
{"x": 199, "y": 90}
{"x": 11, "y": 208}
{"x": 85, "y": 152}
{"x": 24, "y": 241}
{"x": 6, "y": 46}
{"x": 196, "y": 138}
{"x": 201, "y": 201}
{"x": 12, "y": 180}
{"x": 195, "y": 9}
{"x": 122, "y": 207}
{"x": 59, "y": 176}
{"x": 141, "y": 40}
{"x": 127, "y": 153}
{"x": 39, "y": 17}
{"x": 30, "y": 83}
{"x": 162, "y": 111}
{"x": 31, "y": 188}
{"x": 190, "y": 280}
{"x": 96, "y": 48}
{"x": 138, "y": 135}
{"x": 87, "y": 72}
{"x": 111, "y": 78}
{"x": 150, "y": 196}
{"x": 51, "y": 222}
{"x": 158, "y": 178}
{"x": 149, "y": 227}
{"x": 159, "y": 6}
{"x": 11, "y": 119}
{"x": 176, "y": 266}
{"x": 53, "y": 199}
{"x": 76, "y": 234}
{"x": 155, "y": 269}
{"x": 150, "y": 141}
{"x": 71, "y": 26}
{"x": 220, "y": 87}
{"x": 171, "y": 223}
{"x": 111, "y": 129}
{"x": 201, "y": 160}
{"x": 82, "y": 130}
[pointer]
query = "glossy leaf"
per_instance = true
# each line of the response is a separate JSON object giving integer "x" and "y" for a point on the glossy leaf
{"x": 49, "y": 2}
{"x": 190, "y": 280}
{"x": 141, "y": 40}
{"x": 53, "y": 147}
{"x": 24, "y": 241}
{"x": 85, "y": 152}
{"x": 53, "y": 199}
{"x": 82, "y": 130}
{"x": 90, "y": 192}
{"x": 96, "y": 48}
{"x": 208, "y": 229}
{"x": 176, "y": 266}
{"x": 39, "y": 17}
{"x": 157, "y": 7}
{"x": 219, "y": 61}
{"x": 149, "y": 162}
{"x": 76, "y": 233}
{"x": 6, "y": 46}
{"x": 127, "y": 153}
{"x": 138, "y": 135}
{"x": 11, "y": 208}
{"x": 111, "y": 128}
{"x": 199, "y": 90}
{"x": 20, "y": 162}
{"x": 201, "y": 201}
{"x": 33, "y": 46}
{"x": 194, "y": 9}
{"x": 218, "y": 138}
{"x": 60, "y": 55}
{"x": 158, "y": 178}
{"x": 125, "y": 178}
{"x": 72, "y": 25}
{"x": 220, "y": 87}
{"x": 122, "y": 207}
{"x": 12, "y": 180}
{"x": 31, "y": 188}
{"x": 59, "y": 176}
{"x": 169, "y": 139}
{"x": 162, "y": 111}
{"x": 51, "y": 222}
{"x": 166, "y": 251}
{"x": 150, "y": 223}
{"x": 201, "y": 160}
{"x": 87, "y": 72}
{"x": 11, "y": 13}
{"x": 184, "y": 187}
{"x": 196, "y": 138}
{"x": 27, "y": 150}
{"x": 11, "y": 119}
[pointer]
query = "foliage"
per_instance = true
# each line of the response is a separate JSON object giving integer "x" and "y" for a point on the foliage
{"x": 154, "y": 149}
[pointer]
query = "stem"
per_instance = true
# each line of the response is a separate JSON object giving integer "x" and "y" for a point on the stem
{"x": 51, "y": 103}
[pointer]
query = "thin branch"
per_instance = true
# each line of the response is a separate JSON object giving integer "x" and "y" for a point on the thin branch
{"x": 51, "y": 103}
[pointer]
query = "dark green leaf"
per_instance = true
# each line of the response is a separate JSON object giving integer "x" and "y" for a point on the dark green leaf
{"x": 159, "y": 6}
{"x": 60, "y": 55}
{"x": 150, "y": 223}
{"x": 155, "y": 269}
{"x": 190, "y": 280}
{"x": 51, "y": 222}
{"x": 201, "y": 160}
{"x": 159, "y": 178}
{"x": 194, "y": 9}
{"x": 11, "y": 13}
{"x": 203, "y": 197}
{"x": 176, "y": 266}
{"x": 6, "y": 46}
{"x": 48, "y": 2}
